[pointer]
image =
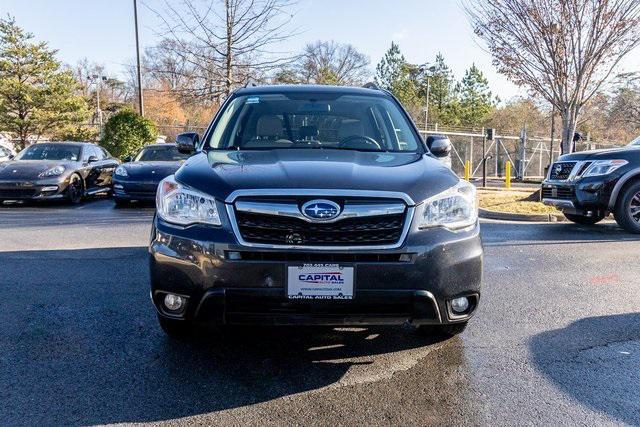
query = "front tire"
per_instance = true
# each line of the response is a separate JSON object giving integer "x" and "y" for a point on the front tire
{"x": 176, "y": 329}
{"x": 75, "y": 190}
{"x": 444, "y": 331}
{"x": 628, "y": 209}
{"x": 583, "y": 219}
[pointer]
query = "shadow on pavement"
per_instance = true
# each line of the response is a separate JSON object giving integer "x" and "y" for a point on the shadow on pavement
{"x": 520, "y": 234}
{"x": 596, "y": 361}
{"x": 93, "y": 211}
{"x": 80, "y": 345}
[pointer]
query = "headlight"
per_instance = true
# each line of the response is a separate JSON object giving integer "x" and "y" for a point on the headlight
{"x": 181, "y": 205}
{"x": 58, "y": 170}
{"x": 454, "y": 208}
{"x": 121, "y": 171}
{"x": 604, "y": 167}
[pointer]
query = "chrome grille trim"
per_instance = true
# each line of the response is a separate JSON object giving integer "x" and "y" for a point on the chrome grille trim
{"x": 320, "y": 192}
{"x": 576, "y": 172}
{"x": 293, "y": 210}
{"x": 409, "y": 213}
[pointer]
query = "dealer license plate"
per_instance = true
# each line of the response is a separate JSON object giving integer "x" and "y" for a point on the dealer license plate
{"x": 320, "y": 281}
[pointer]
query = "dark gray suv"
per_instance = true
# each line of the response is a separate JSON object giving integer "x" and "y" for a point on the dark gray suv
{"x": 314, "y": 205}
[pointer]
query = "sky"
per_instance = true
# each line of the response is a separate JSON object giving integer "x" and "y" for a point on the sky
{"x": 103, "y": 31}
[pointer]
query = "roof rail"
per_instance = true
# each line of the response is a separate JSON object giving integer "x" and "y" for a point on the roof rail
{"x": 371, "y": 85}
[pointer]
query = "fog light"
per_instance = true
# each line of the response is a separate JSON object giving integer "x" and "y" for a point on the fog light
{"x": 174, "y": 302}
{"x": 50, "y": 188}
{"x": 460, "y": 305}
{"x": 234, "y": 256}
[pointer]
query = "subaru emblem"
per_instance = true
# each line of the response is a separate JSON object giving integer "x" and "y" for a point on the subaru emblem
{"x": 320, "y": 210}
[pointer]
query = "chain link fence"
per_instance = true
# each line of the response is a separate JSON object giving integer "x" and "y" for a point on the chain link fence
{"x": 529, "y": 155}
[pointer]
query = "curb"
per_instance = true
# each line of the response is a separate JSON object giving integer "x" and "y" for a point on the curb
{"x": 483, "y": 213}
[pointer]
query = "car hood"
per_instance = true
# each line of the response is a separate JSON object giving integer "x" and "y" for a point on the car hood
{"x": 220, "y": 173}
{"x": 31, "y": 169}
{"x": 151, "y": 170}
{"x": 604, "y": 154}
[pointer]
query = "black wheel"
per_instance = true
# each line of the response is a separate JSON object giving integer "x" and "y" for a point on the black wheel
{"x": 121, "y": 203}
{"x": 177, "y": 329}
{"x": 628, "y": 208}
{"x": 75, "y": 190}
{"x": 445, "y": 331}
{"x": 583, "y": 219}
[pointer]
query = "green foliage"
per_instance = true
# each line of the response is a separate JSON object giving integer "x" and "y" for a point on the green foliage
{"x": 76, "y": 132}
{"x": 37, "y": 97}
{"x": 476, "y": 100}
{"x": 467, "y": 103}
{"x": 441, "y": 95}
{"x": 126, "y": 132}
{"x": 396, "y": 75}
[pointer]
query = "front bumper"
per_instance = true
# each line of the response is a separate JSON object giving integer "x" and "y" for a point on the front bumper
{"x": 580, "y": 197}
{"x": 410, "y": 284}
{"x": 134, "y": 190}
{"x": 39, "y": 190}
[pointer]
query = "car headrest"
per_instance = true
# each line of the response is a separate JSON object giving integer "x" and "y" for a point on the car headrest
{"x": 308, "y": 131}
{"x": 269, "y": 126}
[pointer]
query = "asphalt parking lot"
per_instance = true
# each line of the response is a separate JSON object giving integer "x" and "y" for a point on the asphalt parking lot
{"x": 556, "y": 339}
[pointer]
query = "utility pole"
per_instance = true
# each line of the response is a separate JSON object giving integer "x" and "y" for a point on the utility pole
{"x": 426, "y": 109}
{"x": 553, "y": 132}
{"x": 140, "y": 99}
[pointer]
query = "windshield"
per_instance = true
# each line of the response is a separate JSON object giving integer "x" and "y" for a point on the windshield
{"x": 348, "y": 122}
{"x": 50, "y": 152}
{"x": 169, "y": 153}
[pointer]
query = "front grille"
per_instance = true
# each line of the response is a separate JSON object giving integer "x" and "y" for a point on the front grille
{"x": 562, "y": 193}
{"x": 561, "y": 171}
{"x": 18, "y": 193}
{"x": 141, "y": 187}
{"x": 270, "y": 229}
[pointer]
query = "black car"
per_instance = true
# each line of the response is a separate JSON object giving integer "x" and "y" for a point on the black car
{"x": 589, "y": 185}
{"x": 57, "y": 170}
{"x": 314, "y": 205}
{"x": 138, "y": 178}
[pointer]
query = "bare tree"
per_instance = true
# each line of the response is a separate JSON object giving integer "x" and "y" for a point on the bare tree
{"x": 226, "y": 43}
{"x": 328, "y": 62}
{"x": 563, "y": 50}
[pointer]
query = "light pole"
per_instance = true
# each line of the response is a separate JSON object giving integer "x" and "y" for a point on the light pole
{"x": 429, "y": 69}
{"x": 139, "y": 72}
{"x": 98, "y": 79}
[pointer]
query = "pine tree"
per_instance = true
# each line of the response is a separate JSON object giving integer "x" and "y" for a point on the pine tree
{"x": 441, "y": 92}
{"x": 475, "y": 98}
{"x": 37, "y": 97}
{"x": 396, "y": 75}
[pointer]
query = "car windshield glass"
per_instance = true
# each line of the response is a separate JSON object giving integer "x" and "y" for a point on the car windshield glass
{"x": 50, "y": 152}
{"x": 160, "y": 154}
{"x": 310, "y": 120}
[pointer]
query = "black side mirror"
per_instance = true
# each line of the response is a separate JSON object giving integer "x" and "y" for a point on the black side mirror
{"x": 127, "y": 159}
{"x": 11, "y": 157}
{"x": 187, "y": 142}
{"x": 92, "y": 159}
{"x": 439, "y": 145}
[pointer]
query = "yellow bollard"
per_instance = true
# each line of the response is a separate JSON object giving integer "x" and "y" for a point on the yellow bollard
{"x": 467, "y": 170}
{"x": 507, "y": 181}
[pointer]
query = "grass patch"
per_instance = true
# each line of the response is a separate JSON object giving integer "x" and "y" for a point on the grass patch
{"x": 513, "y": 202}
